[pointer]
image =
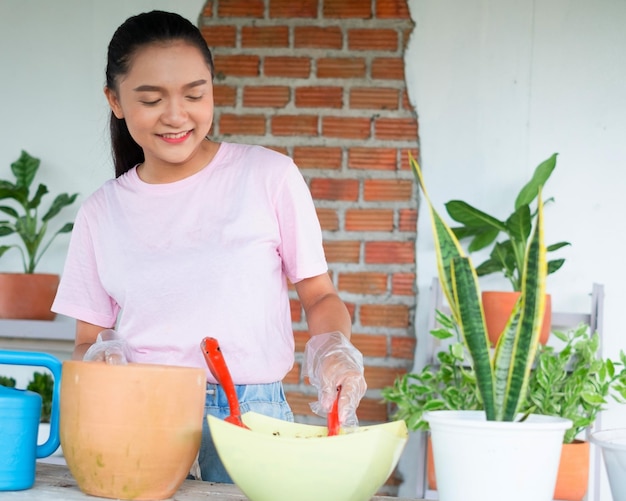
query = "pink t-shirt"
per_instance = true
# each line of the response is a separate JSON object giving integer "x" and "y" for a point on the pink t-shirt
{"x": 204, "y": 256}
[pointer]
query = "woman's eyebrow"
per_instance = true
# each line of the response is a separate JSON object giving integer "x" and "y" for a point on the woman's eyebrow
{"x": 156, "y": 88}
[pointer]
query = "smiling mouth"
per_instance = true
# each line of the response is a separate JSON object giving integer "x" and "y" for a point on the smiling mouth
{"x": 175, "y": 137}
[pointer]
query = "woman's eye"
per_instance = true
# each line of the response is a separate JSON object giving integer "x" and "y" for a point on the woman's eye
{"x": 150, "y": 103}
{"x": 194, "y": 98}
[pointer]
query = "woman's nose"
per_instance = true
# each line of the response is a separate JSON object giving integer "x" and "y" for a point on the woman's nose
{"x": 175, "y": 112}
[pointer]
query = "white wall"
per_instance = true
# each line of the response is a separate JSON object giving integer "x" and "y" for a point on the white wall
{"x": 500, "y": 85}
{"x": 52, "y": 62}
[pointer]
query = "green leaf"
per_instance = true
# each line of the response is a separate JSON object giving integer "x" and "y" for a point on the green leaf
{"x": 61, "y": 201}
{"x": 542, "y": 173}
{"x": 472, "y": 217}
{"x": 24, "y": 170}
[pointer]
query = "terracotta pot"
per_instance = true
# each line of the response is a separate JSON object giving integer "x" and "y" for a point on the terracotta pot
{"x": 573, "y": 477}
{"x": 131, "y": 431}
{"x": 27, "y": 295}
{"x": 498, "y": 306}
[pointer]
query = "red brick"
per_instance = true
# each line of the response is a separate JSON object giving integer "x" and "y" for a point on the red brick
{"x": 392, "y": 9}
{"x": 242, "y": 124}
{"x": 372, "y": 410}
{"x": 265, "y": 36}
{"x": 388, "y": 68}
{"x": 381, "y": 377}
{"x": 279, "y": 149}
{"x": 293, "y": 376}
{"x": 272, "y": 96}
{"x": 334, "y": 189}
{"x": 346, "y": 127}
{"x": 240, "y": 8}
{"x": 404, "y": 157}
{"x": 299, "y": 402}
{"x": 384, "y": 315}
{"x": 369, "y": 220}
{"x": 403, "y": 284}
{"x": 318, "y": 37}
{"x": 407, "y": 220}
{"x": 285, "y": 66}
{"x": 328, "y": 218}
{"x": 403, "y": 347}
{"x": 224, "y": 95}
{"x": 406, "y": 103}
{"x": 343, "y": 9}
{"x": 341, "y": 67}
{"x": 363, "y": 282}
{"x": 237, "y": 65}
{"x": 207, "y": 11}
{"x": 342, "y": 251}
{"x": 372, "y": 39}
{"x": 372, "y": 158}
{"x": 375, "y": 98}
{"x": 219, "y": 36}
{"x": 390, "y": 252}
{"x": 319, "y": 97}
{"x": 296, "y": 310}
{"x": 293, "y": 9}
{"x": 388, "y": 189}
{"x": 370, "y": 345}
{"x": 317, "y": 157}
{"x": 395, "y": 129}
{"x": 294, "y": 125}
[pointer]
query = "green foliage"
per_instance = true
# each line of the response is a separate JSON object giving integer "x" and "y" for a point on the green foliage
{"x": 25, "y": 220}
{"x": 43, "y": 383}
{"x": 9, "y": 382}
{"x": 507, "y": 256}
{"x": 501, "y": 379}
{"x": 450, "y": 384}
{"x": 573, "y": 381}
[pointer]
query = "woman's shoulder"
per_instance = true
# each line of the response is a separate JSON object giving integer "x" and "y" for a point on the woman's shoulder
{"x": 256, "y": 155}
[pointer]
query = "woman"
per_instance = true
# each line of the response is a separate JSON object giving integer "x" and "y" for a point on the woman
{"x": 197, "y": 238}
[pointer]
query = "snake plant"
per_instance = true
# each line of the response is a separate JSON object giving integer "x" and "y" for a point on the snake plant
{"x": 502, "y": 377}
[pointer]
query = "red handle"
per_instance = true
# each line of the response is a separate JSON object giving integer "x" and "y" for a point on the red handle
{"x": 217, "y": 365}
{"x": 333, "y": 416}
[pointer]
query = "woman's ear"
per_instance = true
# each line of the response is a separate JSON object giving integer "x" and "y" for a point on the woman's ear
{"x": 114, "y": 102}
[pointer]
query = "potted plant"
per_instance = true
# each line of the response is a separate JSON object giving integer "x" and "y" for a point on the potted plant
{"x": 570, "y": 381}
{"x": 507, "y": 255}
{"x": 480, "y": 454}
{"x": 28, "y": 295}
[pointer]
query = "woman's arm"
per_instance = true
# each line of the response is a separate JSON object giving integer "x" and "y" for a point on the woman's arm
{"x": 325, "y": 311}
{"x": 86, "y": 335}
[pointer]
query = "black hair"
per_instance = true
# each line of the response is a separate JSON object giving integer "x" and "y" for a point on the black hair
{"x": 135, "y": 33}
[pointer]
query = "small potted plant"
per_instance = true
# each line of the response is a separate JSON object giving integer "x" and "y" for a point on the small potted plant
{"x": 570, "y": 381}
{"x": 28, "y": 295}
{"x": 507, "y": 254}
{"x": 480, "y": 454}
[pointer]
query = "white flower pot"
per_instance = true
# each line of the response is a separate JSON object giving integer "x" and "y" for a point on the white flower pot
{"x": 613, "y": 446}
{"x": 480, "y": 460}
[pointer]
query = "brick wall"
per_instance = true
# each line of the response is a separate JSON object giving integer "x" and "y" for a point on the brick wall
{"x": 323, "y": 82}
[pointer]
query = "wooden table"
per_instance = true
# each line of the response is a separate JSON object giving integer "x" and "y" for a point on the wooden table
{"x": 54, "y": 482}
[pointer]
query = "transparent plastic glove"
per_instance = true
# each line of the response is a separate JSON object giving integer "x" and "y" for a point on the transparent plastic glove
{"x": 109, "y": 349}
{"x": 331, "y": 360}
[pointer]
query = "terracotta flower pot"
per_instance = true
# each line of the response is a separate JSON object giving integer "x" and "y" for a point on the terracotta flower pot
{"x": 27, "y": 296}
{"x": 572, "y": 480}
{"x": 498, "y": 306}
{"x": 131, "y": 431}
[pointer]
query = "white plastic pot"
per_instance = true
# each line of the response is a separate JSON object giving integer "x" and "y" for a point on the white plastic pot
{"x": 613, "y": 446}
{"x": 480, "y": 460}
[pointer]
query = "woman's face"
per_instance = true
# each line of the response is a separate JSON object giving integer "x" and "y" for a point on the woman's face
{"x": 166, "y": 99}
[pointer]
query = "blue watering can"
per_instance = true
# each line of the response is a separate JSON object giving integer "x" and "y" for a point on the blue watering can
{"x": 20, "y": 411}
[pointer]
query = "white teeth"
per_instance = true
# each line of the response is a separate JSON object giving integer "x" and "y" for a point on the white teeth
{"x": 175, "y": 136}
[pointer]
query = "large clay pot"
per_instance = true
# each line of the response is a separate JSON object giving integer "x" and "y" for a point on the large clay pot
{"x": 131, "y": 431}
{"x": 27, "y": 296}
{"x": 498, "y": 306}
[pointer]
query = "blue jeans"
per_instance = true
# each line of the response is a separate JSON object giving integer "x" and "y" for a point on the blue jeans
{"x": 268, "y": 399}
